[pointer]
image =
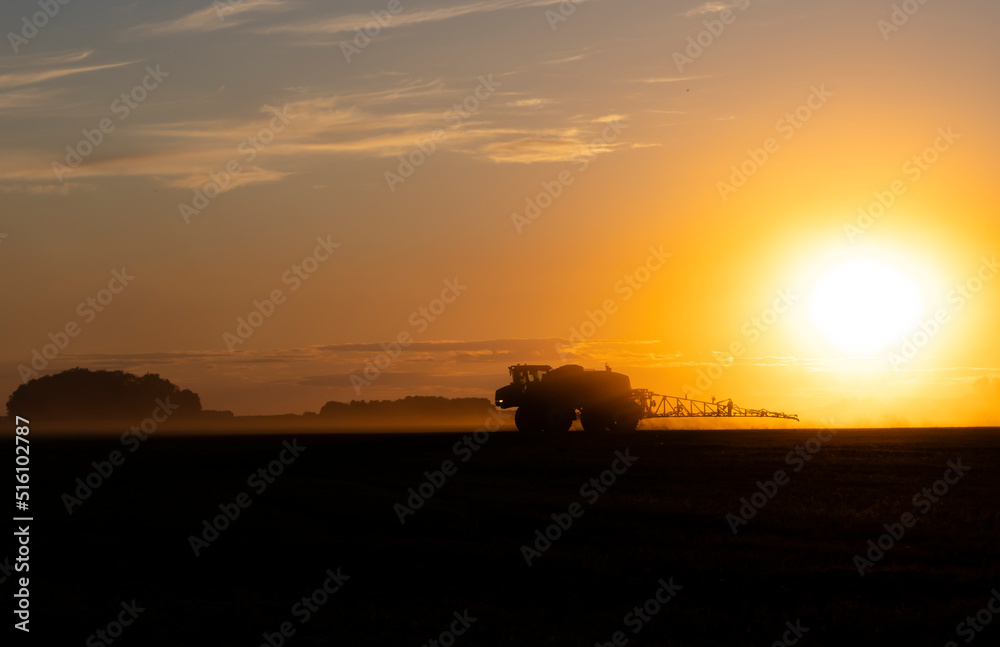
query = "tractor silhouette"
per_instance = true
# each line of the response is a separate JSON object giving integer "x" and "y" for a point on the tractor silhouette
{"x": 548, "y": 399}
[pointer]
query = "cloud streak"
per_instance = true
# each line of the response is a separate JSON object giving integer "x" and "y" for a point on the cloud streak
{"x": 217, "y": 16}
{"x": 715, "y": 7}
{"x": 348, "y": 23}
{"x": 20, "y": 79}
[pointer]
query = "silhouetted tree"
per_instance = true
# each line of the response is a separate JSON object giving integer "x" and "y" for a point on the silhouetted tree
{"x": 80, "y": 393}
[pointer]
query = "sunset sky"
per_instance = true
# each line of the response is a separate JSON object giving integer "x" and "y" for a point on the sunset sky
{"x": 684, "y": 191}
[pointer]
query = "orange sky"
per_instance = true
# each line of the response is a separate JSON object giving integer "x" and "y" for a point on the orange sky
{"x": 608, "y": 119}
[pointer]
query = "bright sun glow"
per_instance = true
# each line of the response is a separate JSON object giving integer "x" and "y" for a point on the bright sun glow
{"x": 862, "y": 305}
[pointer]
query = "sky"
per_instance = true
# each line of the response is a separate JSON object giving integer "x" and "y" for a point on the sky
{"x": 277, "y": 203}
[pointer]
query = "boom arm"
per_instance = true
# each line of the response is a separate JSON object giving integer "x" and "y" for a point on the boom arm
{"x": 666, "y": 406}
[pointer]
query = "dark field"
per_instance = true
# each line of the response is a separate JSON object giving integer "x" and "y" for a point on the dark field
{"x": 664, "y": 517}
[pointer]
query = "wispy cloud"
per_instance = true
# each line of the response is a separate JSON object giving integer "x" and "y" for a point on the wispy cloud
{"x": 489, "y": 346}
{"x": 348, "y": 23}
{"x": 557, "y": 145}
{"x": 674, "y": 79}
{"x": 566, "y": 59}
{"x": 19, "y": 79}
{"x": 409, "y": 380}
{"x": 55, "y": 58}
{"x": 528, "y": 150}
{"x": 382, "y": 123}
{"x": 247, "y": 177}
{"x": 22, "y": 98}
{"x": 528, "y": 103}
{"x": 218, "y": 15}
{"x": 45, "y": 189}
{"x": 716, "y": 7}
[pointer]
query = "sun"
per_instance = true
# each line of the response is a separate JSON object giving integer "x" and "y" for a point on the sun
{"x": 861, "y": 305}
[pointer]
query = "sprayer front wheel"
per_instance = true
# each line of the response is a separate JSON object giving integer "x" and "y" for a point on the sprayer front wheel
{"x": 528, "y": 419}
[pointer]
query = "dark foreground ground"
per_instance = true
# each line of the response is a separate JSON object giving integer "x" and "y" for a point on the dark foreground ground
{"x": 663, "y": 518}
